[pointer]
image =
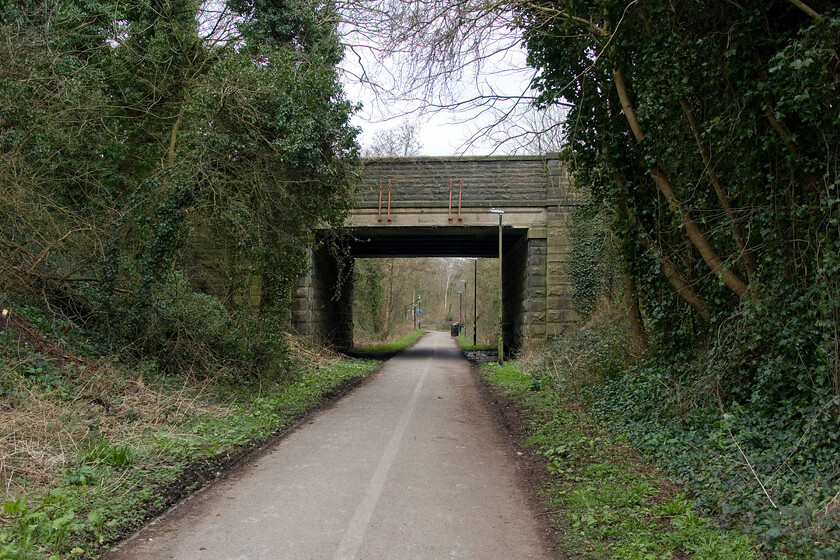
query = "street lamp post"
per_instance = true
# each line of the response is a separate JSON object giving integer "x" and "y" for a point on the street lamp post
{"x": 463, "y": 300}
{"x": 475, "y": 300}
{"x": 501, "y": 303}
{"x": 460, "y": 310}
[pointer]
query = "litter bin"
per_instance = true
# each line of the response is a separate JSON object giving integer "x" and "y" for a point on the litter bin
{"x": 456, "y": 328}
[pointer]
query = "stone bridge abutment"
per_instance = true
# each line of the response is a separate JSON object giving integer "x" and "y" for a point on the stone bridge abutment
{"x": 440, "y": 207}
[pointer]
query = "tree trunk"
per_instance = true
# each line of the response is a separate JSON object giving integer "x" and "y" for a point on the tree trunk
{"x": 389, "y": 299}
{"x": 707, "y": 160}
{"x": 730, "y": 279}
{"x": 634, "y": 314}
{"x": 672, "y": 274}
{"x": 723, "y": 197}
{"x": 806, "y": 8}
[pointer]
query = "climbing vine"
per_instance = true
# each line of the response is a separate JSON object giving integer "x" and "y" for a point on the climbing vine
{"x": 591, "y": 263}
{"x": 145, "y": 141}
{"x": 710, "y": 131}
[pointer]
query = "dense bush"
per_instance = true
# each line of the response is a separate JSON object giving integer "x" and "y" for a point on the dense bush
{"x": 771, "y": 471}
{"x": 592, "y": 260}
{"x": 710, "y": 131}
{"x": 194, "y": 333}
{"x": 140, "y": 138}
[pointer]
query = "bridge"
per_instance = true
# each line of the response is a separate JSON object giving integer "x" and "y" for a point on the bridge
{"x": 440, "y": 207}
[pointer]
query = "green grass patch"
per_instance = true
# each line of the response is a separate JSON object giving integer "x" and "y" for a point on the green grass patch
{"x": 123, "y": 442}
{"x": 465, "y": 341}
{"x": 604, "y": 502}
{"x": 395, "y": 346}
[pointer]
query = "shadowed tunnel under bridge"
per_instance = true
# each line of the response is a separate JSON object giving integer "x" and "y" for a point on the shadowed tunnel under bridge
{"x": 440, "y": 207}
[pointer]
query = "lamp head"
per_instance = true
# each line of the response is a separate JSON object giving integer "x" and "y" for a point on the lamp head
{"x": 499, "y": 212}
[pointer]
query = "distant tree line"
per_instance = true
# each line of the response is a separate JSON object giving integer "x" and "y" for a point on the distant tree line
{"x": 386, "y": 290}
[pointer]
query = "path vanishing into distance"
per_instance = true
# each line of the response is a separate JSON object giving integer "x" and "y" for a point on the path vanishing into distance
{"x": 410, "y": 465}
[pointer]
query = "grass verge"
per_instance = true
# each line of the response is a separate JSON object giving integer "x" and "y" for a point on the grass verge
{"x": 391, "y": 347}
{"x": 603, "y": 502}
{"x": 93, "y": 448}
{"x": 465, "y": 342}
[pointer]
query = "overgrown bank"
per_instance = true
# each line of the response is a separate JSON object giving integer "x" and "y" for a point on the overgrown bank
{"x": 91, "y": 447}
{"x": 602, "y": 500}
{"x": 772, "y": 475}
{"x": 703, "y": 140}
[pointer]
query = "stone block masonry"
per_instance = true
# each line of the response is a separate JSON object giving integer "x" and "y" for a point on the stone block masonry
{"x": 322, "y": 309}
{"x": 441, "y": 207}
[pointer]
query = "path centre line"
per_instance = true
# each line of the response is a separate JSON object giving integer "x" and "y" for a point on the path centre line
{"x": 356, "y": 529}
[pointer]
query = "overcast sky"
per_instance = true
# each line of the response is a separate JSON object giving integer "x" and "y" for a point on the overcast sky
{"x": 451, "y": 130}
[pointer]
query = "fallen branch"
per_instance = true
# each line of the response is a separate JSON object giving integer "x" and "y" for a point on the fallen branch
{"x": 755, "y": 474}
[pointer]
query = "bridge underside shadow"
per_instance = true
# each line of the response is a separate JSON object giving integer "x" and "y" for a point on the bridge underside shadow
{"x": 409, "y": 242}
{"x": 440, "y": 207}
{"x": 323, "y": 303}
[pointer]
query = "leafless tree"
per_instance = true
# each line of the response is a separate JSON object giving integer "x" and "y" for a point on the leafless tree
{"x": 459, "y": 57}
{"x": 396, "y": 142}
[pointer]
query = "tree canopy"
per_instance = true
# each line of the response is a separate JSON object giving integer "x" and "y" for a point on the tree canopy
{"x": 712, "y": 130}
{"x": 136, "y": 135}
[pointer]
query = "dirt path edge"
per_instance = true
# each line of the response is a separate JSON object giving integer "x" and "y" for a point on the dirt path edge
{"x": 533, "y": 474}
{"x": 201, "y": 473}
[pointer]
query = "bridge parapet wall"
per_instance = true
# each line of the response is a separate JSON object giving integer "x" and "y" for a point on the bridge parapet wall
{"x": 512, "y": 181}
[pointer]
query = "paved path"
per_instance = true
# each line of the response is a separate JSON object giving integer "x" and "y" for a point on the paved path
{"x": 408, "y": 466}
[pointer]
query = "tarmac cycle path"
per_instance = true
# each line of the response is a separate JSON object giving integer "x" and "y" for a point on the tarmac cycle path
{"x": 410, "y": 465}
